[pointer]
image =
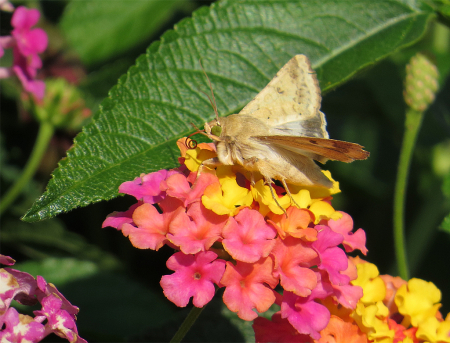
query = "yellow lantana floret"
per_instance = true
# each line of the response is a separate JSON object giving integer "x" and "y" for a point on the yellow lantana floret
{"x": 374, "y": 289}
{"x": 434, "y": 331}
{"x": 418, "y": 300}
{"x": 226, "y": 197}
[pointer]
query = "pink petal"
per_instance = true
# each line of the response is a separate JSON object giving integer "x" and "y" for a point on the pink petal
{"x": 178, "y": 186}
{"x": 332, "y": 259}
{"x": 197, "y": 230}
{"x": 20, "y": 328}
{"x": 352, "y": 241}
{"x": 293, "y": 259}
{"x": 151, "y": 226}
{"x": 194, "y": 277}
{"x": 247, "y": 237}
{"x": 247, "y": 287}
{"x": 6, "y": 260}
{"x": 35, "y": 87}
{"x": 32, "y": 42}
{"x": 24, "y": 18}
{"x": 118, "y": 219}
{"x": 147, "y": 187}
{"x": 304, "y": 314}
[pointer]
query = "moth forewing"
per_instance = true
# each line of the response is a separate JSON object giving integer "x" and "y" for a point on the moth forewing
{"x": 319, "y": 149}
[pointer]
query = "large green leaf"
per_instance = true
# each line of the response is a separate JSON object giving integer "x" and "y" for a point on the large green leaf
{"x": 100, "y": 29}
{"x": 242, "y": 45}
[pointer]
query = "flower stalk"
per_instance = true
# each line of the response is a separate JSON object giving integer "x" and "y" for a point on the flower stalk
{"x": 45, "y": 134}
{"x": 187, "y": 324}
{"x": 420, "y": 88}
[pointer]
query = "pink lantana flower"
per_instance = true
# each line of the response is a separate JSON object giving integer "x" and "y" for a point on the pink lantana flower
{"x": 27, "y": 43}
{"x": 304, "y": 314}
{"x": 249, "y": 286}
{"x": 149, "y": 227}
{"x": 196, "y": 230}
{"x": 332, "y": 258}
{"x": 248, "y": 237}
{"x": 352, "y": 240}
{"x": 20, "y": 328}
{"x": 146, "y": 188}
{"x": 58, "y": 321}
{"x": 195, "y": 276}
{"x": 118, "y": 219}
{"x": 179, "y": 187}
{"x": 57, "y": 315}
{"x": 293, "y": 260}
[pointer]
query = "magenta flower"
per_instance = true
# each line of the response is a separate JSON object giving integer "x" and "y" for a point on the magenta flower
{"x": 352, "y": 240}
{"x": 57, "y": 312}
{"x": 247, "y": 236}
{"x": 332, "y": 258}
{"x": 21, "y": 328}
{"x": 195, "y": 276}
{"x": 304, "y": 314}
{"x": 146, "y": 188}
{"x": 27, "y": 43}
{"x": 118, "y": 219}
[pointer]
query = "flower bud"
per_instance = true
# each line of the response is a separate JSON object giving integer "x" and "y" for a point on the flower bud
{"x": 421, "y": 83}
{"x": 63, "y": 105}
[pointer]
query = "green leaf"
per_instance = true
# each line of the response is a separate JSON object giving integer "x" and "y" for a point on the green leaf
{"x": 59, "y": 271}
{"x": 98, "y": 30}
{"x": 242, "y": 45}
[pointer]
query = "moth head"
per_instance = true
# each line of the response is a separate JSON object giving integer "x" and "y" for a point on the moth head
{"x": 213, "y": 130}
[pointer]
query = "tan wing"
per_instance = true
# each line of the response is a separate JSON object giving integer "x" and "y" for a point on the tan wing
{"x": 319, "y": 149}
{"x": 290, "y": 103}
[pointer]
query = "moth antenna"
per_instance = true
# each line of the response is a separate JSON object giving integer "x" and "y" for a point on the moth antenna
{"x": 192, "y": 144}
{"x": 213, "y": 102}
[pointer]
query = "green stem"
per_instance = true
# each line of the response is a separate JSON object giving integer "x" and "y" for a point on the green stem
{"x": 412, "y": 125}
{"x": 188, "y": 322}
{"x": 45, "y": 134}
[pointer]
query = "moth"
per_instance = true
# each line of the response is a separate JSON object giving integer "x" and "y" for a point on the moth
{"x": 281, "y": 132}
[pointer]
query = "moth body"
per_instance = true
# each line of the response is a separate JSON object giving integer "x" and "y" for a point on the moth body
{"x": 239, "y": 144}
{"x": 281, "y": 132}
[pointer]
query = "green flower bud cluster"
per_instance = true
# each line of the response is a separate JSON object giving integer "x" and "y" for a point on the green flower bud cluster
{"x": 63, "y": 105}
{"x": 421, "y": 83}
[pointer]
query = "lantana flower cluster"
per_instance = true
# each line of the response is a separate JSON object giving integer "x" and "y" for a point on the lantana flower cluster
{"x": 57, "y": 314}
{"x": 26, "y": 43}
{"x": 231, "y": 233}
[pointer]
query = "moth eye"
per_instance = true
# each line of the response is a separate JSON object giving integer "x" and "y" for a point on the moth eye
{"x": 216, "y": 130}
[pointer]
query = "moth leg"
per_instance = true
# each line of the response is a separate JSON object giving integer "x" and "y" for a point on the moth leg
{"x": 252, "y": 179}
{"x": 289, "y": 193}
{"x": 210, "y": 163}
{"x": 249, "y": 164}
{"x": 269, "y": 183}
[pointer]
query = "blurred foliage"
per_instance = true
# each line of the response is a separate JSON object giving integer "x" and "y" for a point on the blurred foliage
{"x": 242, "y": 45}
